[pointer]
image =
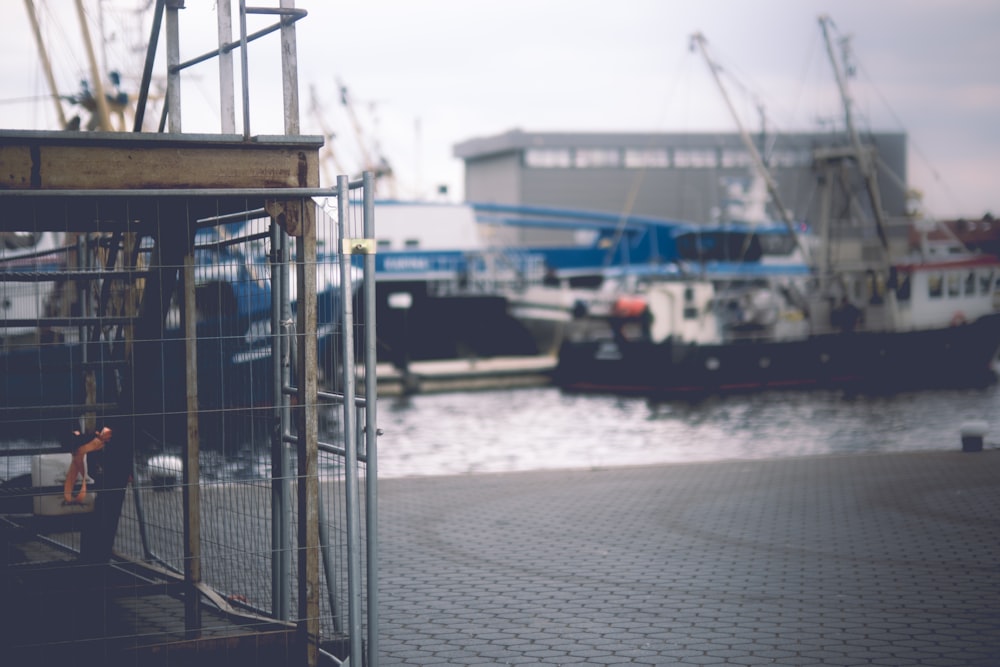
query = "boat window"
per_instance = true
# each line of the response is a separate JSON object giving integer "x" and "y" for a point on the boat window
{"x": 719, "y": 246}
{"x": 903, "y": 287}
{"x": 876, "y": 288}
{"x": 985, "y": 282}
{"x": 777, "y": 243}
{"x": 586, "y": 282}
{"x": 954, "y": 284}
{"x": 935, "y": 285}
{"x": 859, "y": 288}
{"x": 412, "y": 243}
{"x": 970, "y": 284}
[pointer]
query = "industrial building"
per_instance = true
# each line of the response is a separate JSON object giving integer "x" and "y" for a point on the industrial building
{"x": 693, "y": 177}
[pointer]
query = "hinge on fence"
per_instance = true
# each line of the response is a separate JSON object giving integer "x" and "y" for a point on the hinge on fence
{"x": 358, "y": 246}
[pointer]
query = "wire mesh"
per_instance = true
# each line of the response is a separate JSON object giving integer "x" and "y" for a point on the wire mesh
{"x": 94, "y": 334}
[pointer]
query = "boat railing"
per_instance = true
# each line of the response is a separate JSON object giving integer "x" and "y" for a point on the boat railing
{"x": 494, "y": 271}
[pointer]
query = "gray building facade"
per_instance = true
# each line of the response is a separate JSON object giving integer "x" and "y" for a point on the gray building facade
{"x": 684, "y": 176}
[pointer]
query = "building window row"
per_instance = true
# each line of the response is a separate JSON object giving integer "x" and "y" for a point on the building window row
{"x": 657, "y": 158}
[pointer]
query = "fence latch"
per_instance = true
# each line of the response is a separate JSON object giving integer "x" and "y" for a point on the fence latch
{"x": 357, "y": 246}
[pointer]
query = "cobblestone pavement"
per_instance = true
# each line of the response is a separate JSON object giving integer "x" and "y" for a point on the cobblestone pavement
{"x": 888, "y": 559}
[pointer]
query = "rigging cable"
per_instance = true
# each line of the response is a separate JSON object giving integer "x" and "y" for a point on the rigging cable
{"x": 912, "y": 144}
{"x": 633, "y": 193}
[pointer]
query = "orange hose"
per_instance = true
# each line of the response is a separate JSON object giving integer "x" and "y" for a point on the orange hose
{"x": 78, "y": 466}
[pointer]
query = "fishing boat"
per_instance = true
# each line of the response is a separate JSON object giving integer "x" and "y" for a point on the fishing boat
{"x": 441, "y": 285}
{"x": 624, "y": 253}
{"x": 929, "y": 318}
{"x": 450, "y": 283}
{"x": 689, "y": 335}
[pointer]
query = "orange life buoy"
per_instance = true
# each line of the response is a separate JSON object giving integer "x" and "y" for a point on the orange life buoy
{"x": 957, "y": 319}
{"x": 627, "y": 306}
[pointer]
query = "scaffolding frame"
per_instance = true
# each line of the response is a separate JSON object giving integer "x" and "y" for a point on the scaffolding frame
{"x": 135, "y": 204}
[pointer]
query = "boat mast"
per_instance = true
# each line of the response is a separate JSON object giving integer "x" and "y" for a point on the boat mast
{"x": 862, "y": 154}
{"x": 698, "y": 40}
{"x": 103, "y": 115}
{"x": 227, "y": 85}
{"x": 328, "y": 135}
{"x": 46, "y": 65}
{"x": 863, "y": 157}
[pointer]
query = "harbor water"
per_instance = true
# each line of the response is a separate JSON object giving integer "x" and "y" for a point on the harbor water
{"x": 544, "y": 428}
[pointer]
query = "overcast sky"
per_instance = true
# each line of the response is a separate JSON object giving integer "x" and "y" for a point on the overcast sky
{"x": 425, "y": 75}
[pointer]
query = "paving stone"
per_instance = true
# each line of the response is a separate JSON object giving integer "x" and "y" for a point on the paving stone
{"x": 874, "y": 559}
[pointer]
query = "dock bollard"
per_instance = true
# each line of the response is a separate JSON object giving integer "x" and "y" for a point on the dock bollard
{"x": 972, "y": 436}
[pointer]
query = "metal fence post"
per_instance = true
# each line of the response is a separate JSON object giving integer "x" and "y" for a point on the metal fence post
{"x": 281, "y": 505}
{"x": 371, "y": 425}
{"x": 350, "y": 433}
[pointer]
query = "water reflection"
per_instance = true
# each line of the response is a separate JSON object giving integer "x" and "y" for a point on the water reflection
{"x": 496, "y": 431}
{"x": 543, "y": 428}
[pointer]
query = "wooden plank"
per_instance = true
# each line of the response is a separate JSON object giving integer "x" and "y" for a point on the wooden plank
{"x": 67, "y": 161}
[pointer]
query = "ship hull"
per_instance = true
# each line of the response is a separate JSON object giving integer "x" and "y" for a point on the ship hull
{"x": 952, "y": 356}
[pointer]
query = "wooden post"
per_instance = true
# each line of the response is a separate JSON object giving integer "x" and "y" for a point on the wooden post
{"x": 308, "y": 429}
{"x": 192, "y": 470}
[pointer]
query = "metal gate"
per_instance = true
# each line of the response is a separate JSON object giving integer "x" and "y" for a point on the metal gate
{"x": 251, "y": 521}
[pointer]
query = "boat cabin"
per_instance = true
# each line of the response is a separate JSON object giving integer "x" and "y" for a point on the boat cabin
{"x": 947, "y": 293}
